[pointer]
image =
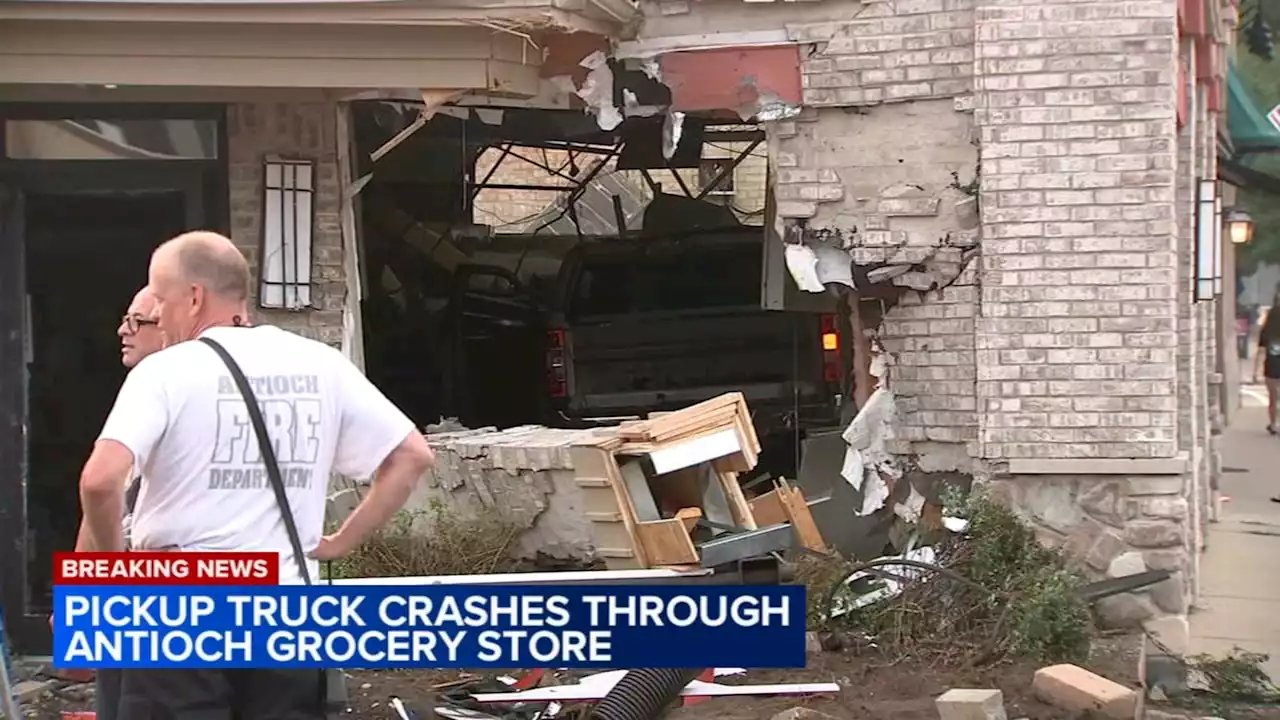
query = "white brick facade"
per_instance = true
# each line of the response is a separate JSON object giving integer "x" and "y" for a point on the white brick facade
{"x": 1053, "y": 344}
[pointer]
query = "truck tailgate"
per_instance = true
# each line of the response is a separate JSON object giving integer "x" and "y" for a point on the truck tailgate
{"x": 657, "y": 360}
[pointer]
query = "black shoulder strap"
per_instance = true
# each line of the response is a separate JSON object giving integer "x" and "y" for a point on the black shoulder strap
{"x": 268, "y": 453}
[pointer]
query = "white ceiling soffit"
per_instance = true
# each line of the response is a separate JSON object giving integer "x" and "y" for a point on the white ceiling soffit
{"x": 599, "y": 16}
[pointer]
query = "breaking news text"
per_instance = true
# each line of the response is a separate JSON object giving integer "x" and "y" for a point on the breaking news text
{"x": 441, "y": 626}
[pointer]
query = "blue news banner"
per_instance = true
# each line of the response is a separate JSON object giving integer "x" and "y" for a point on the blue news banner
{"x": 452, "y": 626}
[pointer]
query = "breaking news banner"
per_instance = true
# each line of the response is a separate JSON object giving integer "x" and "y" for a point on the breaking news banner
{"x": 224, "y": 610}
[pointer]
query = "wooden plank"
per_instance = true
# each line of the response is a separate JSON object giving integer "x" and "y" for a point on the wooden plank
{"x": 768, "y": 509}
{"x": 689, "y": 516}
{"x": 615, "y": 552}
{"x": 684, "y": 420}
{"x": 801, "y": 519}
{"x": 666, "y": 542}
{"x": 627, "y": 509}
{"x": 737, "y": 502}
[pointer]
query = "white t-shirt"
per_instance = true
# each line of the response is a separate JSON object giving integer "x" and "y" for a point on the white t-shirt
{"x": 204, "y": 485}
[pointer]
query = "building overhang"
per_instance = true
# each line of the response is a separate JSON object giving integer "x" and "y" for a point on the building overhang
{"x": 597, "y": 16}
{"x": 495, "y": 47}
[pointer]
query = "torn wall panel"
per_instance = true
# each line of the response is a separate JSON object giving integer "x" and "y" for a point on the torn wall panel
{"x": 753, "y": 81}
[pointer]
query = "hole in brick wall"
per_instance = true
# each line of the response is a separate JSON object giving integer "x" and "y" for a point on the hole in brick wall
{"x": 515, "y": 276}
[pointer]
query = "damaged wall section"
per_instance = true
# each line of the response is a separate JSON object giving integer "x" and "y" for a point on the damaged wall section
{"x": 1049, "y": 363}
{"x": 890, "y": 185}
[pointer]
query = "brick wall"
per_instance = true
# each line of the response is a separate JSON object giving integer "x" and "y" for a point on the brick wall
{"x": 1078, "y": 334}
{"x": 889, "y": 52}
{"x": 930, "y": 339}
{"x": 256, "y": 131}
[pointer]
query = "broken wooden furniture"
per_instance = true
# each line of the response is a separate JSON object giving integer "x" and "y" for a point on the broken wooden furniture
{"x": 649, "y": 486}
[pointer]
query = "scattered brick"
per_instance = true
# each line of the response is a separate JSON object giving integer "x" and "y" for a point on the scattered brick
{"x": 1075, "y": 689}
{"x": 971, "y": 704}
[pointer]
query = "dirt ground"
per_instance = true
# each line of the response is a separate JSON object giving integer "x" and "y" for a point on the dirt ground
{"x": 872, "y": 688}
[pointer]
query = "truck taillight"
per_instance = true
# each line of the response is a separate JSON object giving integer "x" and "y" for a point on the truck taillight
{"x": 831, "y": 371}
{"x": 557, "y": 372}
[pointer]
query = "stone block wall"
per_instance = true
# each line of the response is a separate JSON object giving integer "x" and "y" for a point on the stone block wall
{"x": 255, "y": 132}
{"x": 1116, "y": 525}
{"x": 523, "y": 475}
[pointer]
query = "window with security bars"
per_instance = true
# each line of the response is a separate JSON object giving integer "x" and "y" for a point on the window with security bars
{"x": 288, "y": 222}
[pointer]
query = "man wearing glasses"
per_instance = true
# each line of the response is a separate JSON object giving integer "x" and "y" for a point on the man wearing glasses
{"x": 139, "y": 331}
{"x": 140, "y": 336}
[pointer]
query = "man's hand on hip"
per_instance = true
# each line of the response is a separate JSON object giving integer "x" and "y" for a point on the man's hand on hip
{"x": 331, "y": 547}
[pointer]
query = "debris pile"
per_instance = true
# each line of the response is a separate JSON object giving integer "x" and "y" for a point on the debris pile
{"x": 664, "y": 491}
{"x": 543, "y": 694}
{"x": 977, "y": 588}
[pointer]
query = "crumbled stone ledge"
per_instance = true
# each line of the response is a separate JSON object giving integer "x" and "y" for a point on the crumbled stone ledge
{"x": 1114, "y": 525}
{"x": 523, "y": 474}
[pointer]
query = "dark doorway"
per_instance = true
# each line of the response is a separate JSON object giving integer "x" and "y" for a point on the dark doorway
{"x": 86, "y": 255}
{"x": 86, "y": 192}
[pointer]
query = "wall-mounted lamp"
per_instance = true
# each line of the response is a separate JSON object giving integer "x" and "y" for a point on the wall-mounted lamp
{"x": 1208, "y": 240}
{"x": 1239, "y": 226}
{"x": 288, "y": 218}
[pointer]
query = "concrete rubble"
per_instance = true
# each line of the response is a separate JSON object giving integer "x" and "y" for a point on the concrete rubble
{"x": 971, "y": 704}
{"x": 523, "y": 474}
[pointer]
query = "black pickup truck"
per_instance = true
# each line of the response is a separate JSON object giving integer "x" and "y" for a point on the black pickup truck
{"x": 648, "y": 325}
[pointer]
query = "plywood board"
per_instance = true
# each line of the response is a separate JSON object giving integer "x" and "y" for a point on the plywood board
{"x": 667, "y": 542}
{"x": 767, "y": 509}
{"x": 801, "y": 519}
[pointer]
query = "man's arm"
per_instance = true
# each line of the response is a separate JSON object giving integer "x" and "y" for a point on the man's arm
{"x": 102, "y": 485}
{"x": 375, "y": 438}
{"x": 84, "y": 543}
{"x": 392, "y": 485}
{"x": 130, "y": 434}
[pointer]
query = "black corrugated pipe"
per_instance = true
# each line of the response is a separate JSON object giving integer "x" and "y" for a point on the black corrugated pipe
{"x": 643, "y": 694}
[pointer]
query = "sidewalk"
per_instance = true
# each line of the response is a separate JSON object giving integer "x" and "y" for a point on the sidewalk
{"x": 1240, "y": 572}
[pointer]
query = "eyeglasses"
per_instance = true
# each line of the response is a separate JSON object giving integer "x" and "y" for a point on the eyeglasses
{"x": 133, "y": 323}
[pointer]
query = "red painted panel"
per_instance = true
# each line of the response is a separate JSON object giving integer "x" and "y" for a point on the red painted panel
{"x": 1206, "y": 59}
{"x": 1195, "y": 22}
{"x": 1215, "y": 96}
{"x": 564, "y": 52}
{"x": 732, "y": 78}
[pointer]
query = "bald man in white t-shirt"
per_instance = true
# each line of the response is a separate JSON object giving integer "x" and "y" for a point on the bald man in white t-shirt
{"x": 181, "y": 420}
